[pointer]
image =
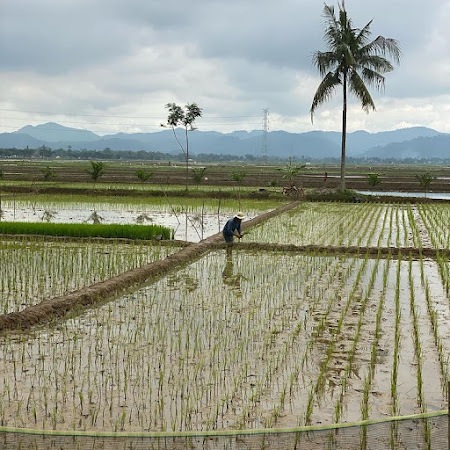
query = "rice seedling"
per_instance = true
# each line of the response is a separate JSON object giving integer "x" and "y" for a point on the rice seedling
{"x": 436, "y": 219}
{"x": 394, "y": 376}
{"x": 351, "y": 353}
{"x": 439, "y": 343}
{"x": 112, "y": 363}
{"x": 35, "y": 269}
{"x": 207, "y": 349}
{"x": 144, "y": 232}
{"x": 416, "y": 338}
{"x": 319, "y": 384}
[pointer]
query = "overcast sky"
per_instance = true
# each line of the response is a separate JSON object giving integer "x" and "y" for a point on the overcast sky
{"x": 112, "y": 65}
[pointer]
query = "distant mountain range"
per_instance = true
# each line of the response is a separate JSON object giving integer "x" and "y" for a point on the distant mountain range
{"x": 416, "y": 142}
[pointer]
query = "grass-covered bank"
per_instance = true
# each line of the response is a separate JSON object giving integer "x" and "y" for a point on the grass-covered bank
{"x": 144, "y": 232}
{"x": 165, "y": 201}
{"x": 146, "y": 191}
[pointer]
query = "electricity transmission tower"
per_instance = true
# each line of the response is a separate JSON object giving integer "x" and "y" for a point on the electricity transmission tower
{"x": 264, "y": 135}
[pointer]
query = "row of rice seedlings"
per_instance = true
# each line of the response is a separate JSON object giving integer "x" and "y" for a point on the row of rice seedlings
{"x": 355, "y": 340}
{"x": 416, "y": 338}
{"x": 318, "y": 386}
{"x": 34, "y": 269}
{"x": 371, "y": 228}
{"x": 368, "y": 379}
{"x": 414, "y": 228}
{"x": 385, "y": 210}
{"x": 316, "y": 223}
{"x": 169, "y": 357}
{"x": 397, "y": 221}
{"x": 396, "y": 360}
{"x": 418, "y": 347}
{"x": 318, "y": 308}
{"x": 338, "y": 224}
{"x": 285, "y": 376}
{"x": 444, "y": 270}
{"x": 408, "y": 226}
{"x": 433, "y": 316}
{"x": 187, "y": 353}
{"x": 397, "y": 338}
{"x": 391, "y": 221}
{"x": 436, "y": 218}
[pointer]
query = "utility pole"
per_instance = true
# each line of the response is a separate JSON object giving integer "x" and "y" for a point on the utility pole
{"x": 264, "y": 135}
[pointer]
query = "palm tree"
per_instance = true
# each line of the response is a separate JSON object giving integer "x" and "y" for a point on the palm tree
{"x": 352, "y": 61}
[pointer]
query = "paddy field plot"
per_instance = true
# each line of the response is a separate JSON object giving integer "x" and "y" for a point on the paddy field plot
{"x": 34, "y": 269}
{"x": 250, "y": 341}
{"x": 192, "y": 219}
{"x": 360, "y": 224}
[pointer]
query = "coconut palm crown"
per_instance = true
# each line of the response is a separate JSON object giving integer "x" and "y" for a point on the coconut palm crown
{"x": 352, "y": 61}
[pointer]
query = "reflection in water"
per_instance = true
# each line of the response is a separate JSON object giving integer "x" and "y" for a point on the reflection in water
{"x": 95, "y": 217}
{"x": 48, "y": 215}
{"x": 142, "y": 218}
{"x": 229, "y": 278}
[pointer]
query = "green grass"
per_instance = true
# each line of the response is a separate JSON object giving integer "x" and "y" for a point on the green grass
{"x": 188, "y": 203}
{"x": 144, "y": 232}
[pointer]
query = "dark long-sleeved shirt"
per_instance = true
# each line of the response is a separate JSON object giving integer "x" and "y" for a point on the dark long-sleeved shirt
{"x": 231, "y": 226}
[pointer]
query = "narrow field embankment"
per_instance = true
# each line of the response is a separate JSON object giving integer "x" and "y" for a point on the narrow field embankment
{"x": 75, "y": 302}
{"x": 416, "y": 253}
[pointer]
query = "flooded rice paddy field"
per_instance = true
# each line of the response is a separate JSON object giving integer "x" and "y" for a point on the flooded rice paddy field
{"x": 397, "y": 225}
{"x": 247, "y": 341}
{"x": 34, "y": 269}
{"x": 252, "y": 340}
{"x": 191, "y": 219}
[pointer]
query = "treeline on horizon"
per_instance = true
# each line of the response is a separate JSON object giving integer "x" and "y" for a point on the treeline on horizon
{"x": 46, "y": 153}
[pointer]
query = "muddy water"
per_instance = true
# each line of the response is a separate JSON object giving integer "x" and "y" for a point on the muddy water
{"x": 226, "y": 343}
{"x": 190, "y": 226}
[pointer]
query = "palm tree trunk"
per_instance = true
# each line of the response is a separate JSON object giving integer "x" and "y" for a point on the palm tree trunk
{"x": 344, "y": 131}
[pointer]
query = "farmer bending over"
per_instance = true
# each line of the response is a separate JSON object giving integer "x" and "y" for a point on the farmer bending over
{"x": 233, "y": 228}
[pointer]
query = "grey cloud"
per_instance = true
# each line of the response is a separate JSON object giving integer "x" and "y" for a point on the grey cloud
{"x": 55, "y": 37}
{"x": 236, "y": 56}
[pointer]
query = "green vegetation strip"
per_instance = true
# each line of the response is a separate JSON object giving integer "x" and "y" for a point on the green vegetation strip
{"x": 260, "y": 431}
{"x": 144, "y": 232}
